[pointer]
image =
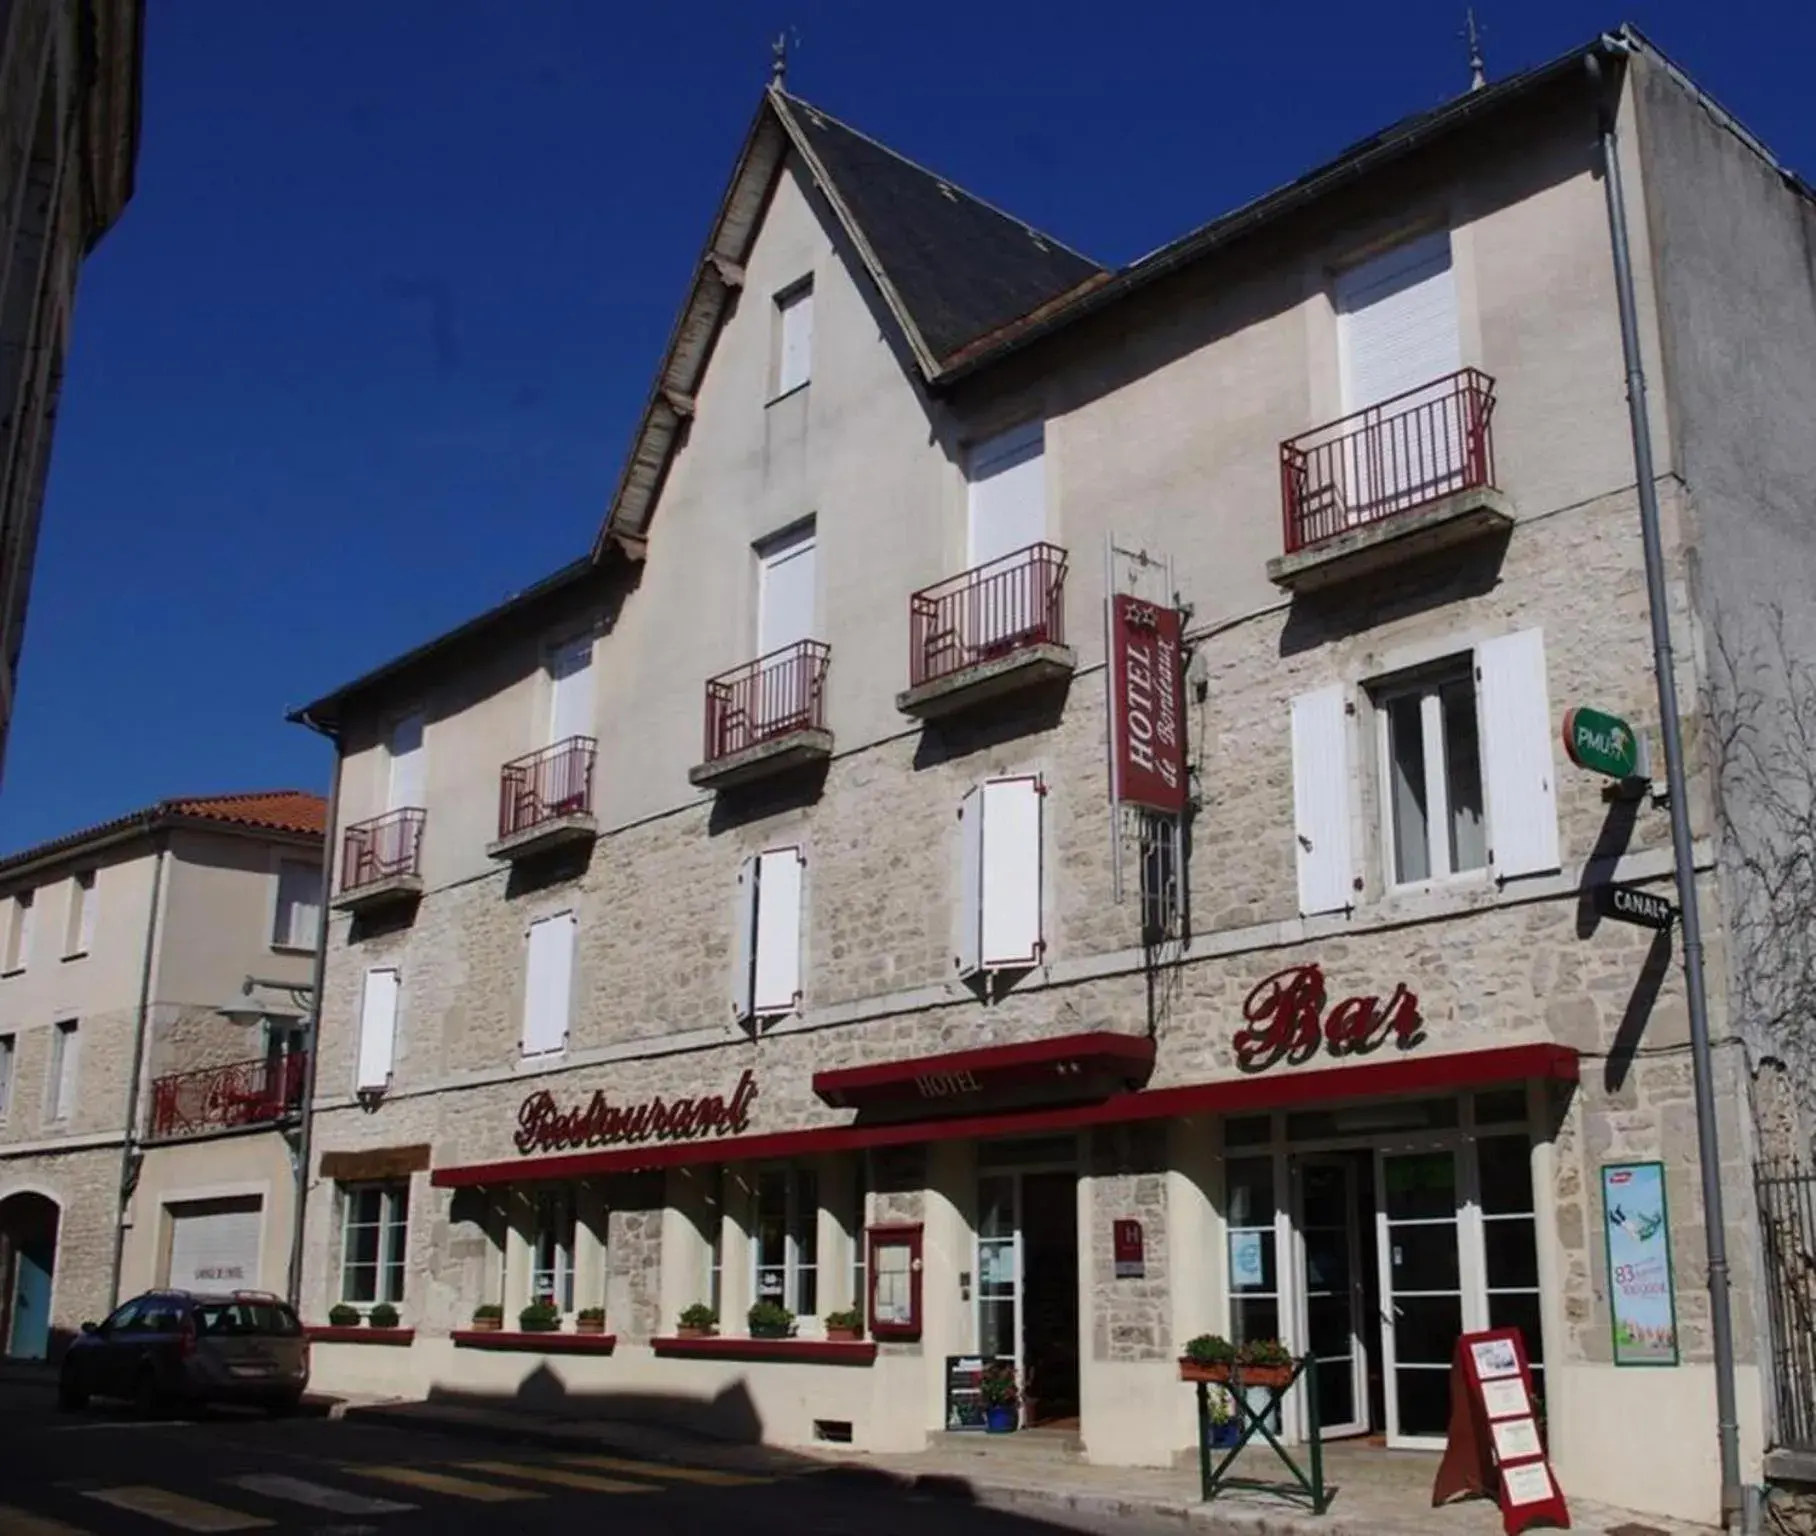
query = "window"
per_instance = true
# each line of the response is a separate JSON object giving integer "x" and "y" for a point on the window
{"x": 785, "y": 599}
{"x": 1254, "y": 1275}
{"x": 794, "y": 337}
{"x": 373, "y": 1238}
{"x": 79, "y": 932}
{"x": 552, "y": 1249}
{"x": 860, "y": 1244}
{"x": 19, "y": 933}
{"x": 1000, "y": 905}
{"x": 1397, "y": 321}
{"x": 7, "y": 1057}
{"x": 1431, "y": 774}
{"x": 787, "y": 1239}
{"x": 766, "y": 957}
{"x": 715, "y": 1226}
{"x": 298, "y": 911}
{"x": 548, "y": 984}
{"x": 1007, "y": 478}
{"x": 405, "y": 750}
{"x": 571, "y": 690}
{"x": 1510, "y": 1243}
{"x": 65, "y": 1067}
{"x": 377, "y": 1030}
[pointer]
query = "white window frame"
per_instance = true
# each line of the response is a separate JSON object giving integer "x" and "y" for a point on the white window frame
{"x": 797, "y": 1223}
{"x": 393, "y": 1227}
{"x": 794, "y": 312}
{"x": 79, "y": 925}
{"x": 286, "y": 940}
{"x": 19, "y": 932}
{"x": 1426, "y": 683}
{"x": 65, "y": 1070}
{"x": 554, "y": 1227}
{"x": 9, "y": 1068}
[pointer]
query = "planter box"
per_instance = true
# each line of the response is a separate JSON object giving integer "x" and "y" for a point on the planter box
{"x": 1237, "y": 1375}
{"x": 845, "y": 1335}
{"x": 535, "y": 1343}
{"x": 696, "y": 1333}
{"x": 487, "y": 1324}
{"x": 1195, "y": 1370}
{"x": 817, "y": 1351}
{"x": 333, "y": 1334}
{"x": 583, "y": 1325}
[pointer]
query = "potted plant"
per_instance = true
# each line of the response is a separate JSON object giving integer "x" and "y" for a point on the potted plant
{"x": 488, "y": 1318}
{"x": 590, "y": 1320}
{"x": 1225, "y": 1431}
{"x": 1207, "y": 1358}
{"x": 845, "y": 1327}
{"x": 540, "y": 1316}
{"x": 1001, "y": 1397}
{"x": 770, "y": 1320}
{"x": 384, "y": 1315}
{"x": 698, "y": 1322}
{"x": 1264, "y": 1363}
{"x": 340, "y": 1315}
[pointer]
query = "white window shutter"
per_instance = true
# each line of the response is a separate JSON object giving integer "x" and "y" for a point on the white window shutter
{"x": 561, "y": 978}
{"x": 571, "y": 690}
{"x": 744, "y": 941}
{"x": 970, "y": 954}
{"x": 406, "y": 786}
{"x": 778, "y": 969}
{"x": 1321, "y": 827}
{"x": 548, "y": 984}
{"x": 377, "y": 1029}
{"x": 1011, "y": 873}
{"x": 1517, "y": 765}
{"x": 1008, "y": 494}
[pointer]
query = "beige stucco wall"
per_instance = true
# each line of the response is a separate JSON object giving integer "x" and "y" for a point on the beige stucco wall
{"x": 250, "y": 1164}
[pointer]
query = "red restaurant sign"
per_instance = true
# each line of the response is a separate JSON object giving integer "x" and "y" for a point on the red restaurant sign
{"x": 543, "y": 1126}
{"x": 1286, "y": 1012}
{"x": 1147, "y": 701}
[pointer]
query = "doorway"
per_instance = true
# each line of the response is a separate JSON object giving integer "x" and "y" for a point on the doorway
{"x": 28, "y": 1267}
{"x": 1027, "y": 1285}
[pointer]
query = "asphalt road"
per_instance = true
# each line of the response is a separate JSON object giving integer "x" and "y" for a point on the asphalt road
{"x": 105, "y": 1473}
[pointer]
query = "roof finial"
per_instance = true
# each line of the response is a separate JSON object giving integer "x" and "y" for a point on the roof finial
{"x": 1478, "y": 67}
{"x": 778, "y": 66}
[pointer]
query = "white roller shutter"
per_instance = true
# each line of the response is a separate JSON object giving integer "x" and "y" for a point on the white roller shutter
{"x": 778, "y": 967}
{"x": 548, "y": 984}
{"x": 1321, "y": 825}
{"x": 406, "y": 763}
{"x": 571, "y": 683}
{"x": 787, "y": 596}
{"x": 1517, "y": 765}
{"x": 377, "y": 1029}
{"x": 214, "y": 1245}
{"x": 1008, "y": 494}
{"x": 794, "y": 366}
{"x": 1397, "y": 321}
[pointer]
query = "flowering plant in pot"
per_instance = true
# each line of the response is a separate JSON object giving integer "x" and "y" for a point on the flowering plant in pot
{"x": 1207, "y": 1358}
{"x": 384, "y": 1315}
{"x": 1225, "y": 1431}
{"x": 1001, "y": 1397}
{"x": 340, "y": 1315}
{"x": 845, "y": 1327}
{"x": 488, "y": 1318}
{"x": 1264, "y": 1363}
{"x": 698, "y": 1322}
{"x": 540, "y": 1316}
{"x": 770, "y": 1320}
{"x": 590, "y": 1320}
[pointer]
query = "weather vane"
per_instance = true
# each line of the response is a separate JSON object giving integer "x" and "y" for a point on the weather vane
{"x": 778, "y": 63}
{"x": 1478, "y": 67}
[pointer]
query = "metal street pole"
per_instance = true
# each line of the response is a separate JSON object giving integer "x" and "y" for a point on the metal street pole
{"x": 1721, "y": 1327}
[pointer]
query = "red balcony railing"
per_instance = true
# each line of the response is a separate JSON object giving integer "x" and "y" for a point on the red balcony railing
{"x": 547, "y": 785}
{"x": 1429, "y": 442}
{"x": 772, "y": 696}
{"x": 223, "y": 1098}
{"x": 1008, "y": 605}
{"x": 387, "y": 847}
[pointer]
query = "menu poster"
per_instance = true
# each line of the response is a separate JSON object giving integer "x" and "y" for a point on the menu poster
{"x": 1516, "y": 1439}
{"x": 1505, "y": 1399}
{"x": 1641, "y": 1293}
{"x": 1494, "y": 1443}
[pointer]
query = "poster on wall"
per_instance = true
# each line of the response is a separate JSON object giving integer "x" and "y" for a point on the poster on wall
{"x": 1641, "y": 1292}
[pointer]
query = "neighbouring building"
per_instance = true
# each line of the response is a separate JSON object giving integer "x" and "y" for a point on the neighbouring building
{"x": 155, "y": 985}
{"x": 69, "y": 144}
{"x": 689, "y": 949}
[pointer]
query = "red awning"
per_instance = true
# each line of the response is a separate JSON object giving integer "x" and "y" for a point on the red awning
{"x": 1290, "y": 1089}
{"x": 1088, "y": 1066}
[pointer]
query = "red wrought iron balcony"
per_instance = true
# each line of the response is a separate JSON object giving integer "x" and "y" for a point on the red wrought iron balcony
{"x": 268, "y": 1091}
{"x": 1404, "y": 477}
{"x": 381, "y": 861}
{"x": 546, "y": 799}
{"x": 987, "y": 631}
{"x": 766, "y": 717}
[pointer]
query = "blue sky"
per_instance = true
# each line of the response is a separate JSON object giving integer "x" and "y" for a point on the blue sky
{"x": 366, "y": 350}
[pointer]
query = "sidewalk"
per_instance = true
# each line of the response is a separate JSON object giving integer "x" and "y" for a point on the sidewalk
{"x": 1379, "y": 1493}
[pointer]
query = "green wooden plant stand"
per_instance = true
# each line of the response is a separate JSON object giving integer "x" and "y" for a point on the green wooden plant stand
{"x": 1307, "y": 1485}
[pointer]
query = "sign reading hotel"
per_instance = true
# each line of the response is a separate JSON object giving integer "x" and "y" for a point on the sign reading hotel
{"x": 1641, "y": 1296}
{"x": 1147, "y": 704}
{"x": 543, "y": 1126}
{"x": 1288, "y": 1022}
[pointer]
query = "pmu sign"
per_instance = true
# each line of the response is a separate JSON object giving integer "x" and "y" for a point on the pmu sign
{"x": 1602, "y": 743}
{"x": 1147, "y": 702}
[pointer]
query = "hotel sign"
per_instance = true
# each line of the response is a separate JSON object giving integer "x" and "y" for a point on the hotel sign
{"x": 544, "y": 1126}
{"x": 1288, "y": 1021}
{"x": 1147, "y": 703}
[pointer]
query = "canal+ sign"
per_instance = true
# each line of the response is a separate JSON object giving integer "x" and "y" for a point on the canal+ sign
{"x": 1602, "y": 743}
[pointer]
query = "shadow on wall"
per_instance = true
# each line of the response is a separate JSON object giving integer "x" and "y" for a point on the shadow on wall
{"x": 730, "y": 1416}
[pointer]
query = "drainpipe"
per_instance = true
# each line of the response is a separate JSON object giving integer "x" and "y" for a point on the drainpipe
{"x": 305, "y": 1125}
{"x": 1721, "y": 1327}
{"x": 129, "y": 1172}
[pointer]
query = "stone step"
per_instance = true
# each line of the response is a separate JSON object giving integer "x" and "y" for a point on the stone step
{"x": 1058, "y": 1445}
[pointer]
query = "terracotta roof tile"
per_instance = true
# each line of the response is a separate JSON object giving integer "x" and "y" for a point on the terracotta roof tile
{"x": 293, "y": 811}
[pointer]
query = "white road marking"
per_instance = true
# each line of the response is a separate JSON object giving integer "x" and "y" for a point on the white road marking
{"x": 177, "y": 1509}
{"x": 298, "y": 1490}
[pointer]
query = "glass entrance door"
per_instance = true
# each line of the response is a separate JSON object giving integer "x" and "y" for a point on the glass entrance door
{"x": 1331, "y": 1267}
{"x": 999, "y": 1290}
{"x": 1422, "y": 1313}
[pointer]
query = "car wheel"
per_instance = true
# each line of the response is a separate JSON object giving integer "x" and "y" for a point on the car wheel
{"x": 71, "y": 1398}
{"x": 147, "y": 1395}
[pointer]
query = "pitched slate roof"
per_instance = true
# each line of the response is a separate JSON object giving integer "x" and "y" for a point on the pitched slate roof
{"x": 296, "y": 812}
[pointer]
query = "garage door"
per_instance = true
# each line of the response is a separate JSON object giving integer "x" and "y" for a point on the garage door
{"x": 214, "y": 1244}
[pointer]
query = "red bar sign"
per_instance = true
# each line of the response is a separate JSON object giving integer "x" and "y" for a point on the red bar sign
{"x": 1147, "y": 701}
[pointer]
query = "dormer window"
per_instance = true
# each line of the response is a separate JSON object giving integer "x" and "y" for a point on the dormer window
{"x": 794, "y": 337}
